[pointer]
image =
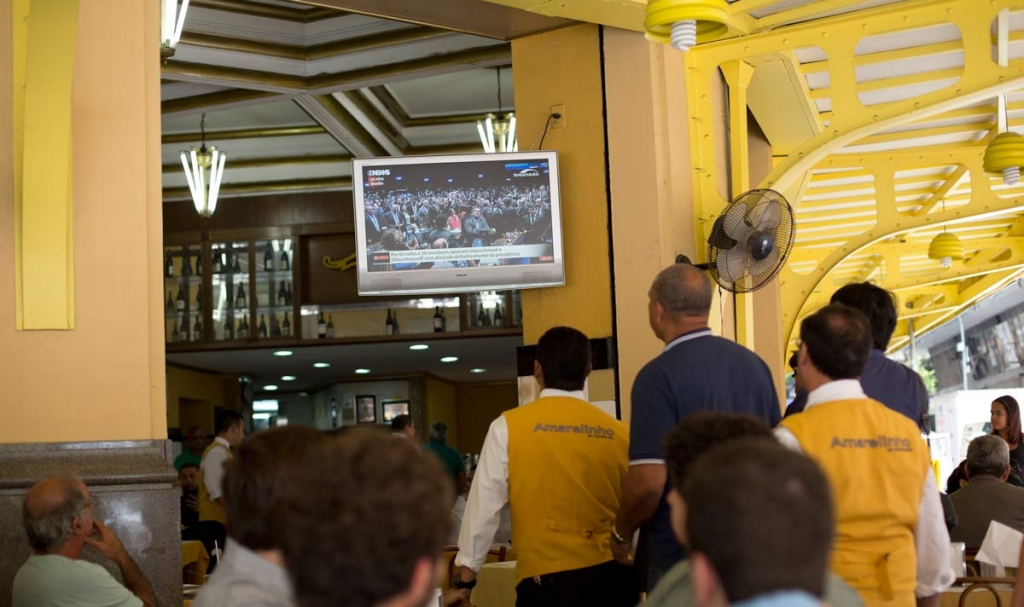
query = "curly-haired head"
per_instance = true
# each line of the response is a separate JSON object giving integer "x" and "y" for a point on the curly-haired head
{"x": 367, "y": 515}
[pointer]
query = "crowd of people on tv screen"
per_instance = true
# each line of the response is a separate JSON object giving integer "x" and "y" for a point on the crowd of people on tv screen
{"x": 442, "y": 218}
{"x": 733, "y": 503}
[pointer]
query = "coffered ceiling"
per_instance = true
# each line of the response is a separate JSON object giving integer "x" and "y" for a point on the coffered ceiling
{"x": 291, "y": 92}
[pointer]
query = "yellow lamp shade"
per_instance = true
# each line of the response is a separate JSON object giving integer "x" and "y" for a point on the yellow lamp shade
{"x": 684, "y": 23}
{"x": 946, "y": 247}
{"x": 1005, "y": 155}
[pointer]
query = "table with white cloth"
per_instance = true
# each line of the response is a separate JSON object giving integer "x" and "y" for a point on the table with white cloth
{"x": 495, "y": 585}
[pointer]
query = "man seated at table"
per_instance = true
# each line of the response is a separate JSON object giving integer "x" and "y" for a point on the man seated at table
{"x": 559, "y": 464}
{"x": 987, "y": 496}
{"x": 252, "y": 570}
{"x": 58, "y": 518}
{"x": 759, "y": 520}
{"x": 188, "y": 480}
{"x": 365, "y": 518}
{"x": 695, "y": 436}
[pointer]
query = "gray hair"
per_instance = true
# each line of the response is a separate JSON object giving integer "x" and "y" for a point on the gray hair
{"x": 683, "y": 290}
{"x": 988, "y": 454}
{"x": 438, "y": 431}
{"x": 49, "y": 530}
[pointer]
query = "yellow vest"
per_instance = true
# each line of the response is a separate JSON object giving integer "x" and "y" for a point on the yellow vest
{"x": 209, "y": 510}
{"x": 566, "y": 463}
{"x": 876, "y": 463}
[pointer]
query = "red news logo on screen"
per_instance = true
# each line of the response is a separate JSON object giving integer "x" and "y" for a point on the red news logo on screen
{"x": 382, "y": 257}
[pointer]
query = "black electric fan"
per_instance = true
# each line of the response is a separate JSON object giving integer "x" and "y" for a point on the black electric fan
{"x": 750, "y": 241}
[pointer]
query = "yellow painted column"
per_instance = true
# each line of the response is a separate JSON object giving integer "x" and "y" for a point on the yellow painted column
{"x": 104, "y": 379}
{"x": 563, "y": 67}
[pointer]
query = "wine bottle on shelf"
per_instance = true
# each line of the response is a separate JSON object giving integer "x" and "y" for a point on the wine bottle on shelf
{"x": 199, "y": 297}
{"x": 197, "y": 330}
{"x": 282, "y": 296}
{"x": 243, "y": 328}
{"x": 186, "y": 267}
{"x": 170, "y": 301}
{"x": 168, "y": 266}
{"x": 286, "y": 326}
{"x": 499, "y": 318}
{"x": 268, "y": 261}
{"x": 321, "y": 327}
{"x": 179, "y": 303}
{"x": 275, "y": 327}
{"x": 237, "y": 268}
{"x": 218, "y": 265}
{"x": 261, "y": 330}
{"x": 481, "y": 317}
{"x": 438, "y": 320}
{"x": 175, "y": 335}
{"x": 389, "y": 324}
{"x": 288, "y": 295}
{"x": 229, "y": 329}
{"x": 394, "y": 322}
{"x": 330, "y": 327}
{"x": 240, "y": 298}
{"x": 199, "y": 265}
{"x": 284, "y": 261}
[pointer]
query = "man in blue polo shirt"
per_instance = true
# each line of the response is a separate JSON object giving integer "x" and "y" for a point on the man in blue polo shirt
{"x": 696, "y": 372}
{"x": 893, "y": 384}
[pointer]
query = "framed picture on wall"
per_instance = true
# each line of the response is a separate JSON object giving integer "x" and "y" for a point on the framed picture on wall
{"x": 366, "y": 409}
{"x": 394, "y": 408}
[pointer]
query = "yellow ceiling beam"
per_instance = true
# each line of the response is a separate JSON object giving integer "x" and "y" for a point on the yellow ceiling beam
{"x": 895, "y": 82}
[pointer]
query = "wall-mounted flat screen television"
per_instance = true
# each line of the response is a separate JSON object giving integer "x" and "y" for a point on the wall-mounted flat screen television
{"x": 452, "y": 224}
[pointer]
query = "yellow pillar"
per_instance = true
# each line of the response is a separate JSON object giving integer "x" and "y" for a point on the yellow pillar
{"x": 103, "y": 380}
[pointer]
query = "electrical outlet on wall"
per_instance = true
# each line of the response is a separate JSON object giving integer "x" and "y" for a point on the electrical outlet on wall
{"x": 558, "y": 123}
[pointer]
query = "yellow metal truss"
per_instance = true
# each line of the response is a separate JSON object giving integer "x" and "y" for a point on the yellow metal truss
{"x": 875, "y": 235}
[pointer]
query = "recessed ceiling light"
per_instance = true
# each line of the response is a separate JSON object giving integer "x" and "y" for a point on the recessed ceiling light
{"x": 478, "y": 370}
{"x": 270, "y": 388}
{"x": 362, "y": 371}
{"x": 288, "y": 378}
{"x": 418, "y": 347}
{"x": 321, "y": 365}
{"x": 261, "y": 416}
{"x": 283, "y": 353}
{"x": 450, "y": 359}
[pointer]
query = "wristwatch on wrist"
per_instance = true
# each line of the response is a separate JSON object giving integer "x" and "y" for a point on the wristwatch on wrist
{"x": 459, "y": 584}
{"x": 618, "y": 539}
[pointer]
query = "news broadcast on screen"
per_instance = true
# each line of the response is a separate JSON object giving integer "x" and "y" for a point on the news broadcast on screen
{"x": 436, "y": 224}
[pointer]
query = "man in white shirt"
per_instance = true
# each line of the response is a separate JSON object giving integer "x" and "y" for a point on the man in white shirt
{"x": 58, "y": 518}
{"x": 558, "y": 463}
{"x": 891, "y": 544}
{"x": 212, "y": 517}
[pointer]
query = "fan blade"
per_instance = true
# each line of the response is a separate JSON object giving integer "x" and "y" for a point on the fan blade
{"x": 732, "y": 264}
{"x": 734, "y": 223}
{"x": 765, "y": 265}
{"x": 771, "y": 217}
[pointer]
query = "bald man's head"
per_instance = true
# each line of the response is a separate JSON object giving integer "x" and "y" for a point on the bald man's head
{"x": 683, "y": 291}
{"x": 55, "y": 509}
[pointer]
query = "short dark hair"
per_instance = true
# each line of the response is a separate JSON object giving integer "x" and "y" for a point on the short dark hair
{"x": 401, "y": 422}
{"x": 877, "y": 304}
{"x": 255, "y": 477}
{"x": 838, "y": 341}
{"x": 564, "y": 357}
{"x": 361, "y": 512}
{"x": 188, "y": 465}
{"x": 227, "y": 419}
{"x": 699, "y": 432}
{"x": 763, "y": 516}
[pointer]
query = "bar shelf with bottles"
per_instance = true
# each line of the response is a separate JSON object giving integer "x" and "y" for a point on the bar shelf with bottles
{"x": 430, "y": 317}
{"x": 183, "y": 282}
{"x": 274, "y": 289}
{"x": 230, "y": 278}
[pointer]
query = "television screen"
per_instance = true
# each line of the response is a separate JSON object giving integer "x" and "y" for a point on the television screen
{"x": 444, "y": 224}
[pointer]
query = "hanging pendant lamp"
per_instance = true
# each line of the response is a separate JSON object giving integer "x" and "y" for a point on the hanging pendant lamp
{"x": 498, "y": 132}
{"x": 204, "y": 169}
{"x": 946, "y": 247}
{"x": 172, "y": 20}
